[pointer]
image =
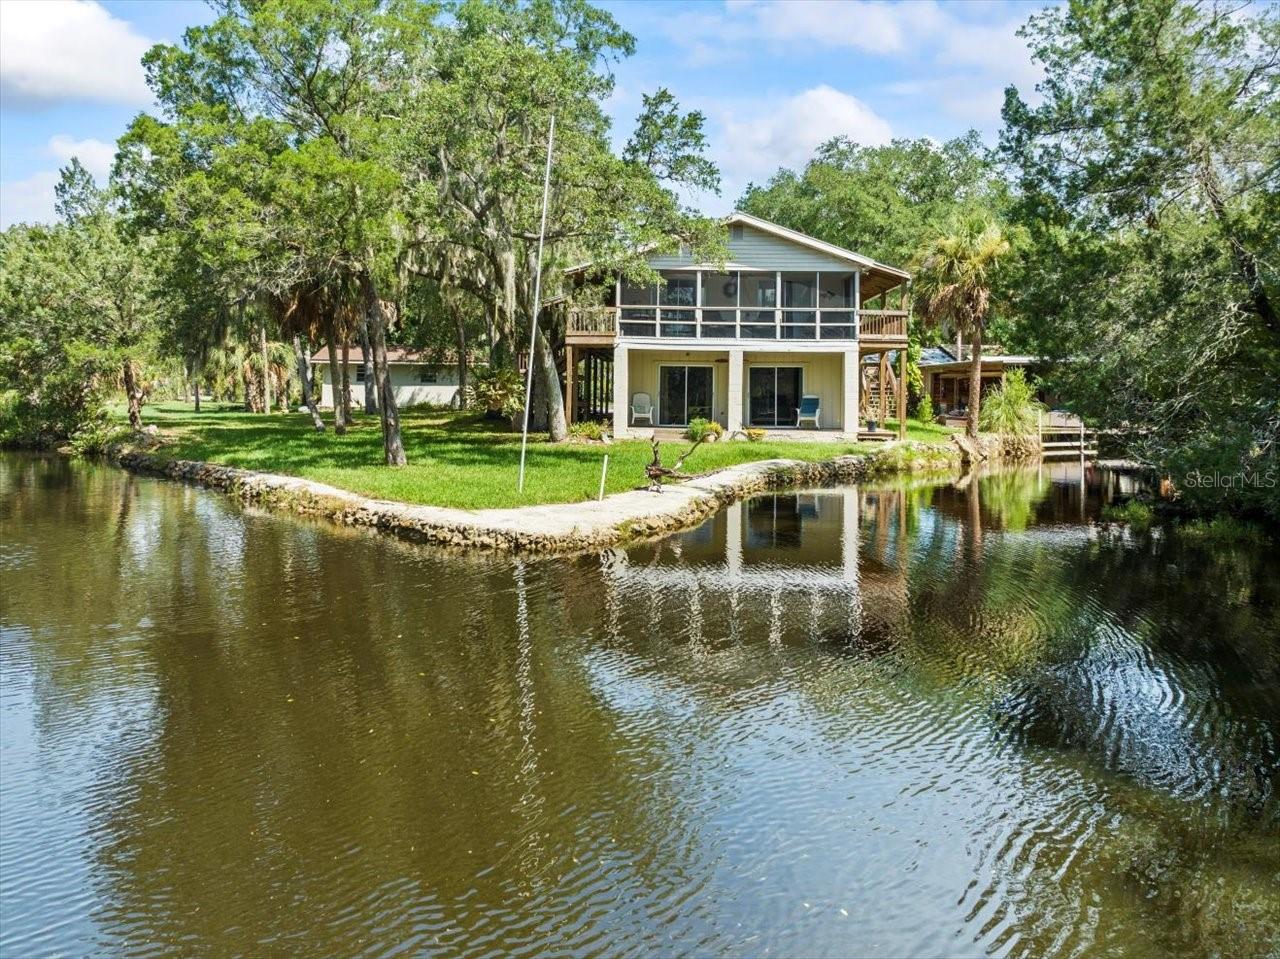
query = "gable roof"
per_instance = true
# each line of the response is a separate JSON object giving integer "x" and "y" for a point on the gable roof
{"x": 738, "y": 218}
{"x": 889, "y": 276}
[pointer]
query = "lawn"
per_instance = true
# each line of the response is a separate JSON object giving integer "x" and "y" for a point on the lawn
{"x": 455, "y": 459}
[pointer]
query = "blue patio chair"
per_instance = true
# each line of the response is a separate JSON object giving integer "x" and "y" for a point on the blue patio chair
{"x": 809, "y": 411}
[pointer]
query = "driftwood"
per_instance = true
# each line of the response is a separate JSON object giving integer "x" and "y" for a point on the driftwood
{"x": 657, "y": 472}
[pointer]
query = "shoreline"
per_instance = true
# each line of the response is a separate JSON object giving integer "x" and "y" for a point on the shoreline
{"x": 547, "y": 529}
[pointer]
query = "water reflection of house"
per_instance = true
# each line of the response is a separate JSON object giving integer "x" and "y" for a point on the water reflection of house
{"x": 816, "y": 558}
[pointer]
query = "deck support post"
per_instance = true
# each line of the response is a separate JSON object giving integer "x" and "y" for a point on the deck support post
{"x": 902, "y": 393}
{"x": 852, "y": 375}
{"x": 570, "y": 385}
{"x": 734, "y": 411}
{"x": 621, "y": 401}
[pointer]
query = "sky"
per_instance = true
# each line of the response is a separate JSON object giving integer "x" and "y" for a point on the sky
{"x": 774, "y": 78}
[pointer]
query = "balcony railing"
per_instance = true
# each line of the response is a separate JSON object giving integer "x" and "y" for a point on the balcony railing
{"x": 592, "y": 321}
{"x": 883, "y": 324}
{"x": 736, "y": 324}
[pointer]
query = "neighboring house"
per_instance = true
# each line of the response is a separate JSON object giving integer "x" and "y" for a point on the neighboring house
{"x": 418, "y": 377}
{"x": 946, "y": 376}
{"x": 741, "y": 342}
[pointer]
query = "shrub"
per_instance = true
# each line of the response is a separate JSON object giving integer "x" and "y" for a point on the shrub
{"x": 588, "y": 430}
{"x": 53, "y": 392}
{"x": 1221, "y": 531}
{"x": 1137, "y": 515}
{"x": 755, "y": 435}
{"x": 1011, "y": 409}
{"x": 924, "y": 409}
{"x": 701, "y": 430}
{"x": 93, "y": 438}
{"x": 496, "y": 390}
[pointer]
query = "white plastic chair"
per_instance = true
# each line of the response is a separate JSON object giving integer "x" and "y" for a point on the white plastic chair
{"x": 641, "y": 408}
{"x": 810, "y": 409}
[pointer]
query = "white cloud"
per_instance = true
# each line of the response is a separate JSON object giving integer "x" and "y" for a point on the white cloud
{"x": 96, "y": 155}
{"x": 29, "y": 200}
{"x": 55, "y": 51}
{"x": 754, "y": 138}
{"x": 995, "y": 49}
{"x": 957, "y": 57}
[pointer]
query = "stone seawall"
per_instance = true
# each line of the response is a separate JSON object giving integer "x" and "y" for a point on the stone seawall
{"x": 553, "y": 528}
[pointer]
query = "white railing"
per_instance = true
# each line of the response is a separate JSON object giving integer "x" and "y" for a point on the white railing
{"x": 652, "y": 322}
{"x": 737, "y": 324}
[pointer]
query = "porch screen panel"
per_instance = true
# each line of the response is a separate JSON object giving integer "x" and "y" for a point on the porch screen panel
{"x": 639, "y": 318}
{"x": 677, "y": 296}
{"x": 759, "y": 300}
{"x": 719, "y": 304}
{"x": 836, "y": 301}
{"x": 799, "y": 299}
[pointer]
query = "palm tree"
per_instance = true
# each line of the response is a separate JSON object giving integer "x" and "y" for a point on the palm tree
{"x": 954, "y": 281}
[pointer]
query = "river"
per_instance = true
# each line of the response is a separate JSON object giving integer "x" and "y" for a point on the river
{"x": 903, "y": 719}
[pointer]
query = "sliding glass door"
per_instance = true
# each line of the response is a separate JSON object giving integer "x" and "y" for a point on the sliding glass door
{"x": 684, "y": 394}
{"x": 774, "y": 393}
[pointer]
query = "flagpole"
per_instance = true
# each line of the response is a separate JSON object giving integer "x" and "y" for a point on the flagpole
{"x": 537, "y": 304}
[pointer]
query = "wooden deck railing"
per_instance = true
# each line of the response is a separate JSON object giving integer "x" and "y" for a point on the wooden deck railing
{"x": 592, "y": 320}
{"x": 882, "y": 323}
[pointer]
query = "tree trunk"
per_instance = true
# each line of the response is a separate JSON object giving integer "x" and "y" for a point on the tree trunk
{"x": 366, "y": 357}
{"x": 133, "y": 393}
{"x": 346, "y": 380}
{"x": 461, "y": 329}
{"x": 375, "y": 312}
{"x": 549, "y": 380}
{"x": 335, "y": 377}
{"x": 975, "y": 382}
{"x": 195, "y": 381}
{"x": 266, "y": 368}
{"x": 304, "y": 377}
{"x": 1246, "y": 262}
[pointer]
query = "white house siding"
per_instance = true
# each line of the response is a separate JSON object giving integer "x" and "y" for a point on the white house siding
{"x": 404, "y": 380}
{"x": 822, "y": 376}
{"x": 764, "y": 251}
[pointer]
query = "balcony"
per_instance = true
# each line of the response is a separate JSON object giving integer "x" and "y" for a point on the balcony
{"x": 602, "y": 325}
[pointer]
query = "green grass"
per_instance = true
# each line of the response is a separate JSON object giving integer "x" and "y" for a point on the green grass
{"x": 455, "y": 459}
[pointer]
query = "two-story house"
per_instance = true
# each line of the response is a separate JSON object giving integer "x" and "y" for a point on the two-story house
{"x": 782, "y": 327}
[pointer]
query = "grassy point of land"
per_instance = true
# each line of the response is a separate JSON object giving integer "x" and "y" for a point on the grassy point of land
{"x": 456, "y": 459}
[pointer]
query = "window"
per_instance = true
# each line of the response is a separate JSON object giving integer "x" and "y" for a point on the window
{"x": 359, "y": 372}
{"x": 427, "y": 375}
